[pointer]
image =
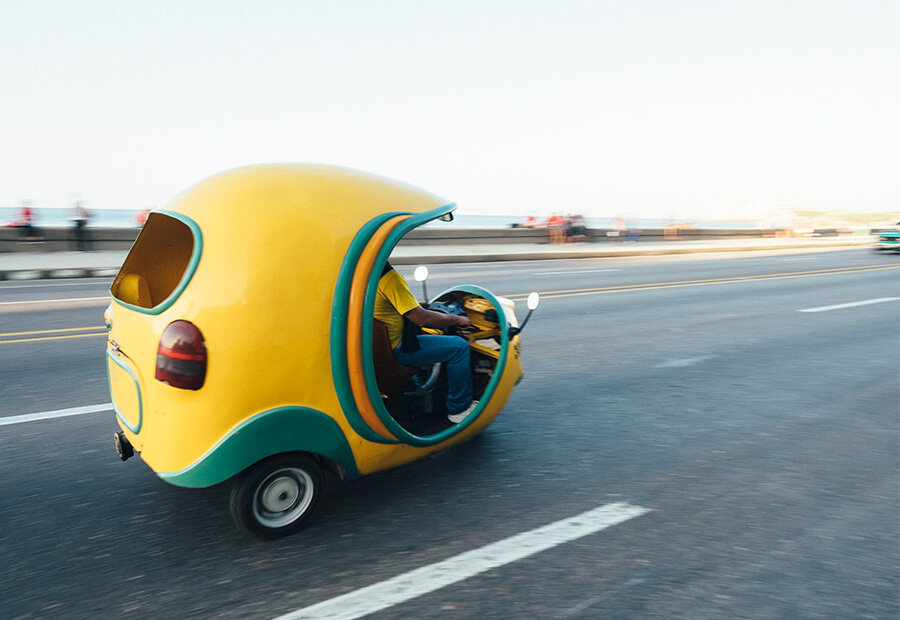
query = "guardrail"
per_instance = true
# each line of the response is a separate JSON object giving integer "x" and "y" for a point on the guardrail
{"x": 39, "y": 239}
{"x": 67, "y": 239}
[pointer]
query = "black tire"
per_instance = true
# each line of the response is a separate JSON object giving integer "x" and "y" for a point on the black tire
{"x": 277, "y": 496}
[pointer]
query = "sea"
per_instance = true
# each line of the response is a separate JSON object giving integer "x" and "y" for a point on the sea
{"x": 54, "y": 217}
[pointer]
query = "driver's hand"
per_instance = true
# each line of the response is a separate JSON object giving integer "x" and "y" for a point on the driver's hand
{"x": 463, "y": 322}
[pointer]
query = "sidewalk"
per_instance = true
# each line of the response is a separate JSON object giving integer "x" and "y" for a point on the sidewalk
{"x": 40, "y": 265}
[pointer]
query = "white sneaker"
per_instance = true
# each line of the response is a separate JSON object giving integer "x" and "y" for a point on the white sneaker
{"x": 456, "y": 418}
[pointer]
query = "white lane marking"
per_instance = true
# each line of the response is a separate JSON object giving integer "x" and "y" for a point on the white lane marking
{"x": 852, "y": 304}
{"x": 430, "y": 578}
{"x": 53, "y": 301}
{"x": 59, "y": 413}
{"x": 683, "y": 362}
{"x": 558, "y": 273}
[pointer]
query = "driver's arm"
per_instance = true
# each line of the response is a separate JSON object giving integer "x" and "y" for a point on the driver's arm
{"x": 429, "y": 318}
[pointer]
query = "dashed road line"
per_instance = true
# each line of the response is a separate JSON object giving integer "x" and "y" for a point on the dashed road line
{"x": 852, "y": 304}
{"x": 59, "y": 413}
{"x": 427, "y": 579}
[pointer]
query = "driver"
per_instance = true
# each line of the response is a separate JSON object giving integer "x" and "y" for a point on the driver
{"x": 393, "y": 303}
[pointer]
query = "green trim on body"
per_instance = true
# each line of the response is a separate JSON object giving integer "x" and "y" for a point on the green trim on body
{"x": 340, "y": 311}
{"x": 284, "y": 429}
{"x": 196, "y": 252}
{"x": 134, "y": 428}
{"x": 339, "y": 318}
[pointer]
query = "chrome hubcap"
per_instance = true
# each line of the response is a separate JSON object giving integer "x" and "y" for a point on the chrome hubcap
{"x": 283, "y": 497}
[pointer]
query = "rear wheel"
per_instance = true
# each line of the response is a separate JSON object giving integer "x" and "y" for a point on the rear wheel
{"x": 277, "y": 496}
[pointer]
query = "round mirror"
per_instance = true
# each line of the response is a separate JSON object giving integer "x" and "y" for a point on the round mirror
{"x": 421, "y": 273}
{"x": 533, "y": 300}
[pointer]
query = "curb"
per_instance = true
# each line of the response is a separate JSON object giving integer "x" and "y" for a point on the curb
{"x": 55, "y": 274}
{"x": 451, "y": 254}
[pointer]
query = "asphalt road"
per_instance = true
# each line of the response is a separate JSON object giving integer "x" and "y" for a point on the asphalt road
{"x": 761, "y": 437}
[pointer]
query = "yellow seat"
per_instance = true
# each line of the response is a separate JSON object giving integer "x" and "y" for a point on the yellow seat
{"x": 133, "y": 289}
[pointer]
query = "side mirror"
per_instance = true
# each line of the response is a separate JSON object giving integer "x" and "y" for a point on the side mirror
{"x": 534, "y": 300}
{"x": 421, "y": 274}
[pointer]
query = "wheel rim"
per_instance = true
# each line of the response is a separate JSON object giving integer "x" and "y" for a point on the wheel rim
{"x": 283, "y": 497}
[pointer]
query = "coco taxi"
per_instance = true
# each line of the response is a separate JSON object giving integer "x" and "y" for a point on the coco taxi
{"x": 242, "y": 346}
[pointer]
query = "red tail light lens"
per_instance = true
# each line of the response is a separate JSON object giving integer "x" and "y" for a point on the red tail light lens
{"x": 181, "y": 357}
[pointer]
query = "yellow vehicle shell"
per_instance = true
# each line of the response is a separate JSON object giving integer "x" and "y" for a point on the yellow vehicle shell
{"x": 277, "y": 265}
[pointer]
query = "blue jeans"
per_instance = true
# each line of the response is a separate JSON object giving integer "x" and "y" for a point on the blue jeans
{"x": 454, "y": 352}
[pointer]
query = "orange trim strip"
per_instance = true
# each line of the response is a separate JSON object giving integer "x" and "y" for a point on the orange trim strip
{"x": 354, "y": 326}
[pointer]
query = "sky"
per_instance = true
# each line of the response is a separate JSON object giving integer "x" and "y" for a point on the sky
{"x": 694, "y": 108}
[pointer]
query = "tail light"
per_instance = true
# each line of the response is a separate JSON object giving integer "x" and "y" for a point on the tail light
{"x": 181, "y": 357}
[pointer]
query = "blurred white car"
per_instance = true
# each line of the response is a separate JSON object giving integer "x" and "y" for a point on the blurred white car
{"x": 887, "y": 239}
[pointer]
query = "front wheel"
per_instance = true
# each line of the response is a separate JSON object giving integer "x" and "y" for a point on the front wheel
{"x": 277, "y": 496}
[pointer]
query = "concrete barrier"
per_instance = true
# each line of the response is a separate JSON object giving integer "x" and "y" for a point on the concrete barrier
{"x": 103, "y": 239}
{"x": 486, "y": 236}
{"x": 65, "y": 239}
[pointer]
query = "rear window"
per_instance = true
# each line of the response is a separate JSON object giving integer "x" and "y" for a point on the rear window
{"x": 162, "y": 257}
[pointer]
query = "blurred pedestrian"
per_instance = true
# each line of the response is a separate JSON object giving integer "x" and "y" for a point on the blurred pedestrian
{"x": 25, "y": 222}
{"x": 618, "y": 230}
{"x": 557, "y": 227}
{"x": 80, "y": 220}
{"x": 578, "y": 232}
{"x": 671, "y": 230}
{"x": 634, "y": 230}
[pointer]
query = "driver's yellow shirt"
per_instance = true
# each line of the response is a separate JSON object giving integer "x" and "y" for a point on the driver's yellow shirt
{"x": 392, "y": 301}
